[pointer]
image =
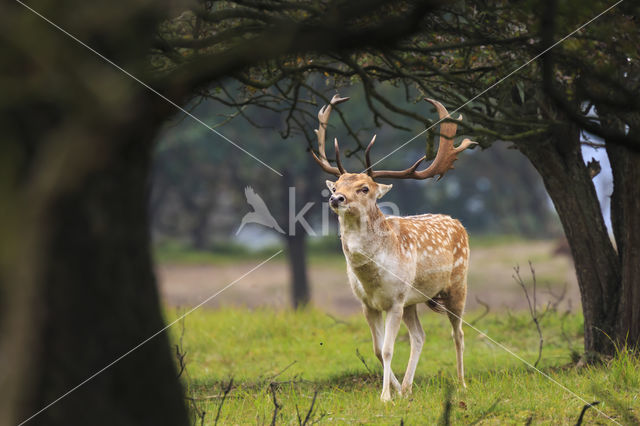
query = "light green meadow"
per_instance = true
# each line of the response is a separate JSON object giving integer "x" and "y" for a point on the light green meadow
{"x": 307, "y": 352}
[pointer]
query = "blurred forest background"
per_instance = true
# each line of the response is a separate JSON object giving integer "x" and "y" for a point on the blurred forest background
{"x": 198, "y": 183}
{"x": 198, "y": 201}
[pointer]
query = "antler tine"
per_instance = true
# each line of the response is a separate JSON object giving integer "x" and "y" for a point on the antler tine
{"x": 366, "y": 156}
{"x": 445, "y": 157}
{"x": 321, "y": 131}
{"x": 338, "y": 162}
{"x": 409, "y": 173}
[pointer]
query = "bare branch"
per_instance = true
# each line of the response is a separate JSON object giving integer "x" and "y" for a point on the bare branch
{"x": 584, "y": 410}
{"x": 282, "y": 371}
{"x": 487, "y": 309}
{"x": 224, "y": 397}
{"x": 276, "y": 406}
{"x": 361, "y": 358}
{"x": 310, "y": 411}
{"x": 532, "y": 306}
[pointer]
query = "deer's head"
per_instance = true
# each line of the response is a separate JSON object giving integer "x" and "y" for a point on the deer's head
{"x": 354, "y": 193}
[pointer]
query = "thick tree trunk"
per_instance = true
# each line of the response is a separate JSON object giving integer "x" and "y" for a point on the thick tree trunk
{"x": 559, "y": 161}
{"x": 76, "y": 284}
{"x": 625, "y": 215}
{"x": 99, "y": 300}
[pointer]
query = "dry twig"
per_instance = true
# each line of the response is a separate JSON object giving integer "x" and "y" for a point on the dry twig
{"x": 180, "y": 352}
{"x": 309, "y": 412}
{"x": 584, "y": 410}
{"x": 224, "y": 397}
{"x": 276, "y": 406}
{"x": 361, "y": 358}
{"x": 281, "y": 371}
{"x": 532, "y": 306}
{"x": 487, "y": 309}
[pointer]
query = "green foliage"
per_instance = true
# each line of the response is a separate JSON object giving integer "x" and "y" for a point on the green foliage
{"x": 308, "y": 351}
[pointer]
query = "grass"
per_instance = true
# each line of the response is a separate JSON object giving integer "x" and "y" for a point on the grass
{"x": 307, "y": 353}
{"x": 174, "y": 253}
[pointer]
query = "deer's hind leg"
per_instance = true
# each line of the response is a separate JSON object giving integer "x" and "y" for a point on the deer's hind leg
{"x": 454, "y": 302}
{"x": 416, "y": 336}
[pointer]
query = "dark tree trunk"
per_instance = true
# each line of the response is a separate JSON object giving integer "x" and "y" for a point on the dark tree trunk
{"x": 296, "y": 240}
{"x": 625, "y": 217}
{"x": 559, "y": 161}
{"x": 76, "y": 284}
{"x": 296, "y": 251}
{"x": 99, "y": 301}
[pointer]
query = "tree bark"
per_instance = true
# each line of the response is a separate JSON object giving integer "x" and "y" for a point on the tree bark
{"x": 625, "y": 217}
{"x": 76, "y": 284}
{"x": 559, "y": 161}
{"x": 96, "y": 306}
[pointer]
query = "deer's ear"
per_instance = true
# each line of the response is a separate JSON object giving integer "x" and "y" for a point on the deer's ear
{"x": 383, "y": 189}
{"x": 331, "y": 185}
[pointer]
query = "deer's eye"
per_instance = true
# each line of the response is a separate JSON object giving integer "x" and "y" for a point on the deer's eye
{"x": 333, "y": 189}
{"x": 364, "y": 189}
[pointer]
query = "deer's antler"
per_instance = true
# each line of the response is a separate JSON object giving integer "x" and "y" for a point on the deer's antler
{"x": 321, "y": 131}
{"x": 445, "y": 157}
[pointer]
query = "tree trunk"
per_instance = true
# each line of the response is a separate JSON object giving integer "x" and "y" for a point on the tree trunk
{"x": 296, "y": 246}
{"x": 625, "y": 217}
{"x": 99, "y": 300}
{"x": 76, "y": 285}
{"x": 297, "y": 253}
{"x": 559, "y": 161}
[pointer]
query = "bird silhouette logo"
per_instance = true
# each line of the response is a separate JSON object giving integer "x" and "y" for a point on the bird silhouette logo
{"x": 260, "y": 214}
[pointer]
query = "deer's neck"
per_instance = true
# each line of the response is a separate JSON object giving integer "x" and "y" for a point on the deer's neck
{"x": 364, "y": 234}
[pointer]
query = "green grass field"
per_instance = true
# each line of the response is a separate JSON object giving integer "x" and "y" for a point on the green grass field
{"x": 296, "y": 355}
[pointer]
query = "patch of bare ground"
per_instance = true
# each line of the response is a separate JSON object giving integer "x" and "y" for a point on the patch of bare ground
{"x": 490, "y": 281}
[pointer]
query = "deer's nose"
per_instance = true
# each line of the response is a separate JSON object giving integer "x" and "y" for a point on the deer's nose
{"x": 336, "y": 199}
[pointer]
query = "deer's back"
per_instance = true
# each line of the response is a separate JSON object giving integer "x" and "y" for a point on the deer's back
{"x": 439, "y": 246}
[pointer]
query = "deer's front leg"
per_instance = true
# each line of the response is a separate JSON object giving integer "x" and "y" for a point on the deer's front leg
{"x": 392, "y": 325}
{"x": 376, "y": 324}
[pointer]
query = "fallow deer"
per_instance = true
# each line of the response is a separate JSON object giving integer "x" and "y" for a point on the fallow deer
{"x": 395, "y": 263}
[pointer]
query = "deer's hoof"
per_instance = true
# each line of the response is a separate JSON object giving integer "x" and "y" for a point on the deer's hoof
{"x": 386, "y": 396}
{"x": 406, "y": 390}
